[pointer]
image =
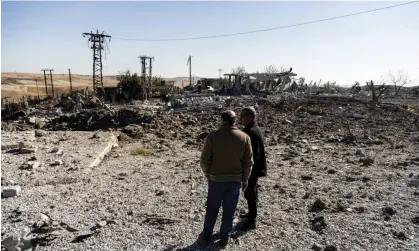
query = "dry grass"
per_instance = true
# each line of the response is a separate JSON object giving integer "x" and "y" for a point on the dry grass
{"x": 142, "y": 151}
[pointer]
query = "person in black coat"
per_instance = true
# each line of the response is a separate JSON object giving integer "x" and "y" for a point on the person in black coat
{"x": 248, "y": 119}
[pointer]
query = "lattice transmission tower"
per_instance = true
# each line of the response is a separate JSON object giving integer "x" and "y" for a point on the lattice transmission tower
{"x": 97, "y": 42}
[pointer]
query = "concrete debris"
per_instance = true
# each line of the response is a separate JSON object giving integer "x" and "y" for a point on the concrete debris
{"x": 31, "y": 120}
{"x": 26, "y": 147}
{"x": 57, "y": 163}
{"x": 113, "y": 142}
{"x": 11, "y": 191}
{"x": 40, "y": 133}
{"x": 30, "y": 165}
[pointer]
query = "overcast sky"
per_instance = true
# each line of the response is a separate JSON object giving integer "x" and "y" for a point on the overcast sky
{"x": 38, "y": 35}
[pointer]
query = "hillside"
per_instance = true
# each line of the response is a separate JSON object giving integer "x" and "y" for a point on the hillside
{"x": 15, "y": 85}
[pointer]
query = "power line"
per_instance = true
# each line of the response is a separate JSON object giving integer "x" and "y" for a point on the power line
{"x": 268, "y": 29}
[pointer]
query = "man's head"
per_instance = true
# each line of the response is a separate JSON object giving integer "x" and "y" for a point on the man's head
{"x": 248, "y": 116}
{"x": 228, "y": 117}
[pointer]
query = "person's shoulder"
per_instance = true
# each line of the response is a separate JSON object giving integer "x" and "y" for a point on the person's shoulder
{"x": 255, "y": 129}
{"x": 242, "y": 135}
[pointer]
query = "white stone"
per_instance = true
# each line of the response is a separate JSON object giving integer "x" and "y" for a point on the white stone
{"x": 57, "y": 163}
{"x": 31, "y": 120}
{"x": 11, "y": 191}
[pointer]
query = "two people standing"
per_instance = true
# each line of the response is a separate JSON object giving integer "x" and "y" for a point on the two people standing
{"x": 226, "y": 161}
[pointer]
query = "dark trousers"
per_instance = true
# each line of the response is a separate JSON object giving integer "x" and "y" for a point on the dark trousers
{"x": 227, "y": 195}
{"x": 251, "y": 195}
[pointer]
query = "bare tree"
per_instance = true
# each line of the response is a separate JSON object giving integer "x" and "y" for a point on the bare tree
{"x": 239, "y": 70}
{"x": 301, "y": 81}
{"x": 377, "y": 91}
{"x": 356, "y": 88}
{"x": 398, "y": 80}
{"x": 271, "y": 69}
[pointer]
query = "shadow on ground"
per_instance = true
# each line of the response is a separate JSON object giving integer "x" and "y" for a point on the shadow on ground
{"x": 236, "y": 233}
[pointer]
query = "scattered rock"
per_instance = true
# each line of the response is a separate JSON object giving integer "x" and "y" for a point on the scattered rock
{"x": 360, "y": 153}
{"x": 31, "y": 120}
{"x": 95, "y": 135}
{"x": 57, "y": 163}
{"x": 316, "y": 247}
{"x": 360, "y": 209}
{"x": 400, "y": 235}
{"x": 26, "y": 147}
{"x": 318, "y": 206}
{"x": 350, "y": 179}
{"x": 331, "y": 171}
{"x": 366, "y": 161}
{"x": 30, "y": 165}
{"x": 388, "y": 211}
{"x": 349, "y": 195}
{"x": 330, "y": 248}
{"x": 160, "y": 193}
{"x": 366, "y": 179}
{"x": 11, "y": 191}
{"x": 414, "y": 183}
{"x": 40, "y": 123}
{"x": 191, "y": 142}
{"x": 40, "y": 133}
{"x": 318, "y": 224}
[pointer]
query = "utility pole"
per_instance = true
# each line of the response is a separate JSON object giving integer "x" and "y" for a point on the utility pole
{"x": 143, "y": 75}
{"x": 150, "y": 72}
{"x": 219, "y": 72}
{"x": 96, "y": 44}
{"x": 46, "y": 81}
{"x": 52, "y": 83}
{"x": 143, "y": 59}
{"x": 190, "y": 69}
{"x": 71, "y": 83}
{"x": 46, "y": 85}
{"x": 37, "y": 90}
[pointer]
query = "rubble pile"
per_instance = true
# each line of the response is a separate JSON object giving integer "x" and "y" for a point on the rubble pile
{"x": 340, "y": 171}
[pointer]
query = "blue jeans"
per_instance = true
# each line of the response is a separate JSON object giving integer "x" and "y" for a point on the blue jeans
{"x": 226, "y": 194}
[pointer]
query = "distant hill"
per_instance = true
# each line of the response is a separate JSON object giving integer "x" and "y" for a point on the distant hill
{"x": 16, "y": 85}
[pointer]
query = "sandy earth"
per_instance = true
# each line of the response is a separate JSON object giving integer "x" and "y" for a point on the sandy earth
{"x": 16, "y": 85}
{"x": 157, "y": 202}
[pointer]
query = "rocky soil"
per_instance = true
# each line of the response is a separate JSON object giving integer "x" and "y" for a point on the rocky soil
{"x": 342, "y": 176}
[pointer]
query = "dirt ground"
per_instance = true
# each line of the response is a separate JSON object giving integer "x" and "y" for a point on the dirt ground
{"x": 16, "y": 85}
{"x": 340, "y": 177}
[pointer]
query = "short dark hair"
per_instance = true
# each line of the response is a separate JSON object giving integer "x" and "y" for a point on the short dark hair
{"x": 250, "y": 110}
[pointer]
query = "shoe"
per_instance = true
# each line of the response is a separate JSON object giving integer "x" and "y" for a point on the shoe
{"x": 224, "y": 242}
{"x": 203, "y": 240}
{"x": 248, "y": 225}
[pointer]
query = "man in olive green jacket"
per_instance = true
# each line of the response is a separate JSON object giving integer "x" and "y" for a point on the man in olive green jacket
{"x": 226, "y": 162}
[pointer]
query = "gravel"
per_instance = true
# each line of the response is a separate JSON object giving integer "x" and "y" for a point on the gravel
{"x": 322, "y": 199}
